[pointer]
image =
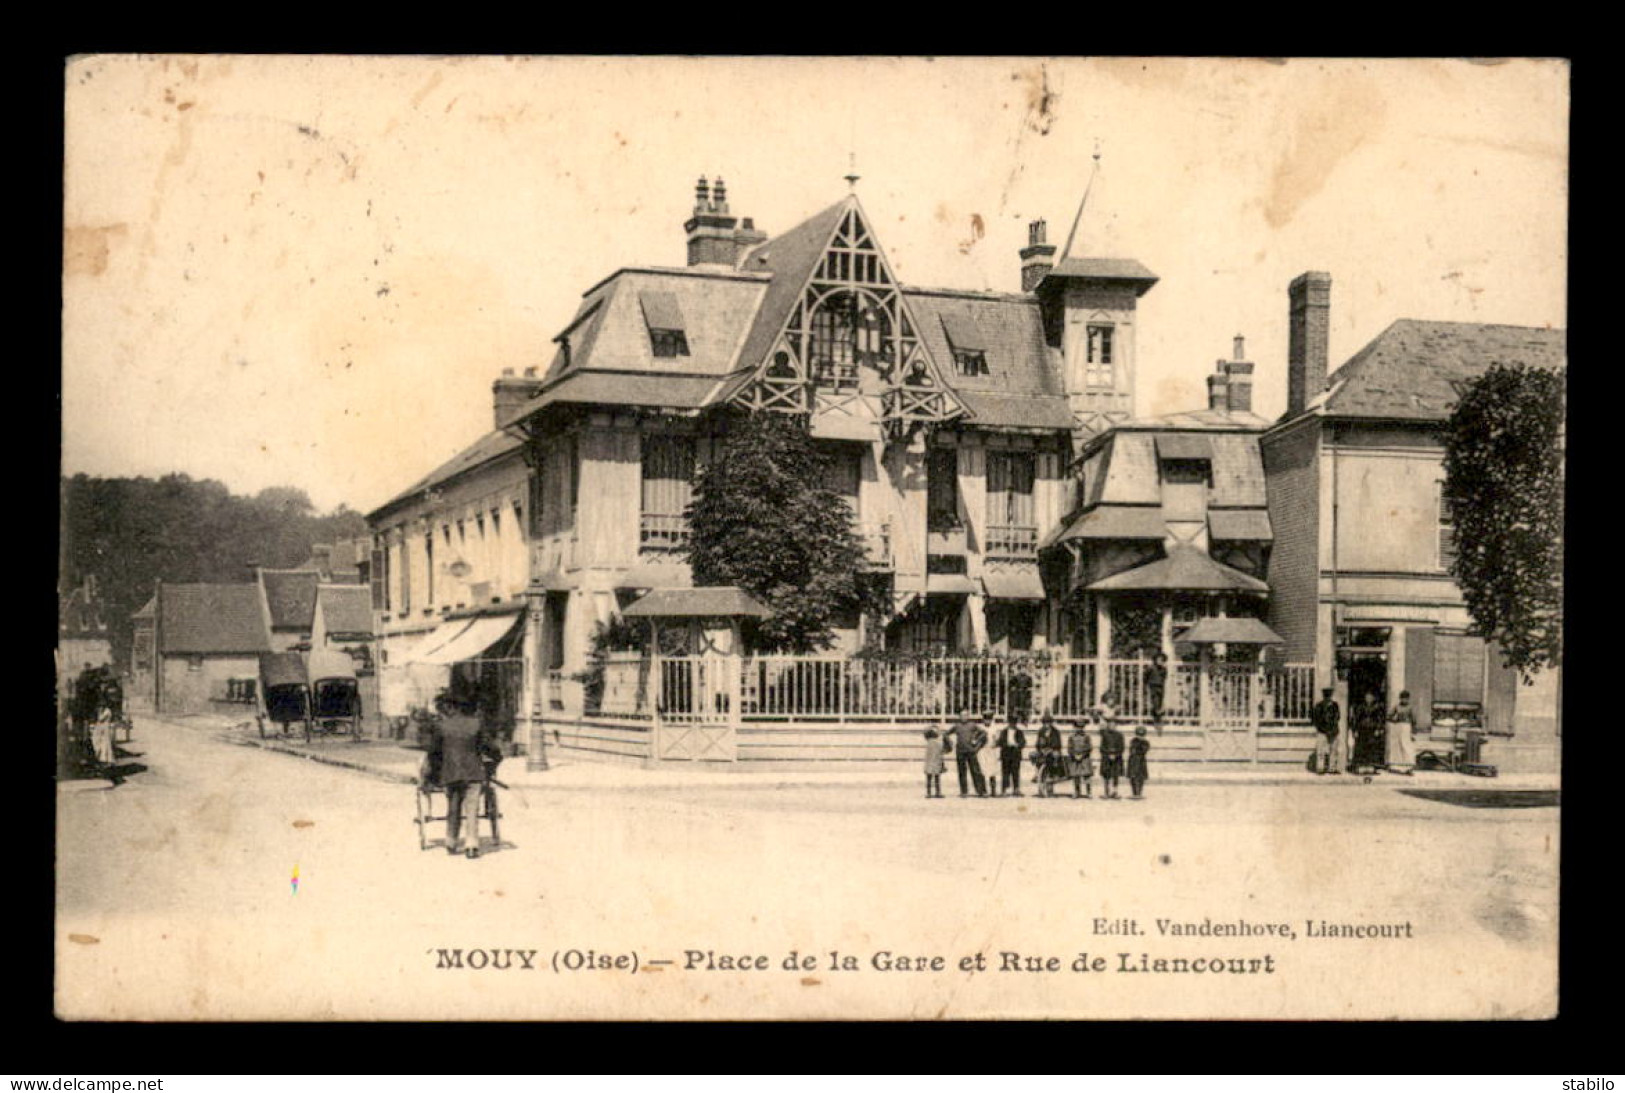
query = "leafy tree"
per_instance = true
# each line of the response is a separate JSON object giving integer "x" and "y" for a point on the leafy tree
{"x": 764, "y": 519}
{"x": 1504, "y": 486}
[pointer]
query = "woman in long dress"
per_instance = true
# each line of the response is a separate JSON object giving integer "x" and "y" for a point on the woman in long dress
{"x": 1400, "y": 754}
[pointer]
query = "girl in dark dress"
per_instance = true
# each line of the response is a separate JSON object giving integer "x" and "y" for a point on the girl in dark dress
{"x": 1080, "y": 761}
{"x": 1138, "y": 770}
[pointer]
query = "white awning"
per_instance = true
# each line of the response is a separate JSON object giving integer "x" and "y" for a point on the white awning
{"x": 468, "y": 643}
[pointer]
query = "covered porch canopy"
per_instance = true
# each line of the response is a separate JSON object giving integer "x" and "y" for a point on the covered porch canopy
{"x": 1184, "y": 572}
{"x": 693, "y": 605}
{"x": 1231, "y": 631}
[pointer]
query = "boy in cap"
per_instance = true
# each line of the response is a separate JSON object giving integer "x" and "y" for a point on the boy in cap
{"x": 1138, "y": 771}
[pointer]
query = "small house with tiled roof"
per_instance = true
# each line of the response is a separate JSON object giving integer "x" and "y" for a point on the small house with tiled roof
{"x": 1360, "y": 568}
{"x": 208, "y": 641}
{"x": 290, "y": 597}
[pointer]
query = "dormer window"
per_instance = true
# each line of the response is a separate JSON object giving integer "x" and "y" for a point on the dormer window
{"x": 968, "y": 346}
{"x": 668, "y": 336}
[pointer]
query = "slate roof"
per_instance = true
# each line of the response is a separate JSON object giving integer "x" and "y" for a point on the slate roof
{"x": 1238, "y": 631}
{"x": 1130, "y": 476}
{"x": 1023, "y": 385}
{"x": 291, "y": 596}
{"x": 212, "y": 618}
{"x": 346, "y": 608}
{"x": 1184, "y": 569}
{"x": 1099, "y": 269}
{"x": 1112, "y": 522}
{"x": 491, "y": 446}
{"x": 1406, "y": 372}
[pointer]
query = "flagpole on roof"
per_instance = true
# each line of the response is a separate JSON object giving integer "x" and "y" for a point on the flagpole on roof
{"x": 1066, "y": 251}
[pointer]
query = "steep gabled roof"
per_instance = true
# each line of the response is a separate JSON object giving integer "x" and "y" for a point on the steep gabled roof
{"x": 346, "y": 608}
{"x": 291, "y": 596}
{"x": 790, "y": 258}
{"x": 197, "y": 619}
{"x": 1408, "y": 371}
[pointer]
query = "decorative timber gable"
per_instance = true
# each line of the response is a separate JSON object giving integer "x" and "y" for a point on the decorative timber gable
{"x": 848, "y": 347}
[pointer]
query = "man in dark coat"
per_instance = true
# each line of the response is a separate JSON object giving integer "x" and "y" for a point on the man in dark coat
{"x": 1012, "y": 742}
{"x": 464, "y": 756}
{"x": 1156, "y": 688}
{"x": 963, "y": 739}
{"x": 1327, "y": 717}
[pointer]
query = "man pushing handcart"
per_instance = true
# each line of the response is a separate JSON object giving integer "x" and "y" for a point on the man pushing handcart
{"x": 461, "y": 766}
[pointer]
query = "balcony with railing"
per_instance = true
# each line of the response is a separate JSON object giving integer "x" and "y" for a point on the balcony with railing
{"x": 1012, "y": 541}
{"x": 877, "y": 548}
{"x": 662, "y": 534}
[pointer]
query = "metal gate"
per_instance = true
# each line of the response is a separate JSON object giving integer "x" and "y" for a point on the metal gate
{"x": 1229, "y": 714}
{"x": 697, "y": 709}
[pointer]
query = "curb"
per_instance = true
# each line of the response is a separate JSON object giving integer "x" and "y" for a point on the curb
{"x": 327, "y": 760}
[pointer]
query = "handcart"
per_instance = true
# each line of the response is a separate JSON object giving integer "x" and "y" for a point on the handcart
{"x": 285, "y": 693}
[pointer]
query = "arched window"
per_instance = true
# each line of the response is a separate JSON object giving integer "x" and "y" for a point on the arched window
{"x": 848, "y": 329}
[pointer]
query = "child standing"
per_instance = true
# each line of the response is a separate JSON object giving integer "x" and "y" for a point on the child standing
{"x": 933, "y": 763}
{"x": 1137, "y": 766}
{"x": 1111, "y": 757}
{"x": 1080, "y": 761}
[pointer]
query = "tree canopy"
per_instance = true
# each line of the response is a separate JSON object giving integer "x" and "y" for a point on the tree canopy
{"x": 764, "y": 518}
{"x": 132, "y": 532}
{"x": 1504, "y": 487}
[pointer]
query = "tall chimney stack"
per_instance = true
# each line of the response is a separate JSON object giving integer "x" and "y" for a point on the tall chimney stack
{"x": 1218, "y": 389}
{"x": 1239, "y": 372}
{"x": 510, "y": 392}
{"x": 1309, "y": 319}
{"x": 1037, "y": 257}
{"x": 711, "y": 237}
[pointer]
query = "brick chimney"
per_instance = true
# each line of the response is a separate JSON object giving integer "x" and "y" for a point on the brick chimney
{"x": 1309, "y": 319}
{"x": 1037, "y": 257}
{"x": 1218, "y": 389}
{"x": 1240, "y": 372}
{"x": 711, "y": 237}
{"x": 510, "y": 392}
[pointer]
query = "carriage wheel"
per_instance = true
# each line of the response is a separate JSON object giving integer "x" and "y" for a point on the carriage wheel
{"x": 425, "y": 806}
{"x": 309, "y": 727}
{"x": 261, "y": 721}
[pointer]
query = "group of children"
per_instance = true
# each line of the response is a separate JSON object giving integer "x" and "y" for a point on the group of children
{"x": 975, "y": 748}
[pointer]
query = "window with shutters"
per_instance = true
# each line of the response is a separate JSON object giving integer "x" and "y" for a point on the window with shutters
{"x": 942, "y": 489}
{"x": 1458, "y": 679}
{"x": 1012, "y": 523}
{"x": 428, "y": 552}
{"x": 668, "y": 487}
{"x": 378, "y": 573}
{"x": 1447, "y": 533}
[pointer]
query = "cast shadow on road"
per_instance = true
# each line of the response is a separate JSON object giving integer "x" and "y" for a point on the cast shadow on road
{"x": 1489, "y": 798}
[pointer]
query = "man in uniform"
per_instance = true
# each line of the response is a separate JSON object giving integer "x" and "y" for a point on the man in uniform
{"x": 1328, "y": 720}
{"x": 1012, "y": 743}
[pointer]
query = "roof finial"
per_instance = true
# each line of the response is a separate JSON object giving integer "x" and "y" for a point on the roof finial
{"x": 852, "y": 171}
{"x": 1066, "y": 251}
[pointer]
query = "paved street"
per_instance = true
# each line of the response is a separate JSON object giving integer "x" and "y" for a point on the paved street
{"x": 176, "y": 899}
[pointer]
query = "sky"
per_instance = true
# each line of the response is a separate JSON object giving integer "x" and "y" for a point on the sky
{"x": 307, "y": 271}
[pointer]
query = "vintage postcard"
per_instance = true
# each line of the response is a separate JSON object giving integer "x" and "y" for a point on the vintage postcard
{"x": 808, "y": 538}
